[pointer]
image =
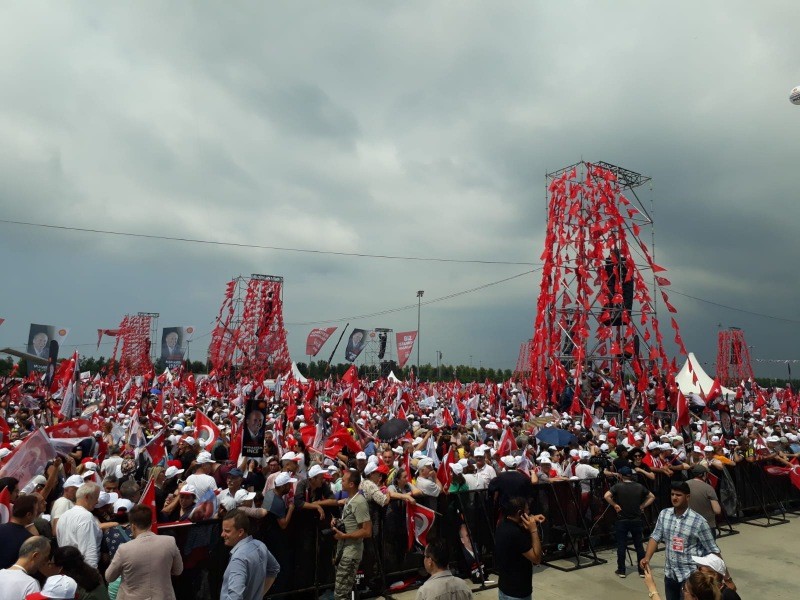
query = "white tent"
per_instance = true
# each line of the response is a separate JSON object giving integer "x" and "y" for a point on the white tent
{"x": 297, "y": 374}
{"x": 686, "y": 379}
{"x": 392, "y": 377}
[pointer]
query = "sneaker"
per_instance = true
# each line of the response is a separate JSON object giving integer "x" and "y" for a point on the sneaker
{"x": 620, "y": 574}
{"x": 641, "y": 573}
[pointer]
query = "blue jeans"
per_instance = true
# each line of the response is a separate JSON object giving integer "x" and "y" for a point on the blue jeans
{"x": 621, "y": 529}
{"x": 502, "y": 596}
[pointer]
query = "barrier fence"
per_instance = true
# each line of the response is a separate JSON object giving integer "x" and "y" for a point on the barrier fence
{"x": 579, "y": 523}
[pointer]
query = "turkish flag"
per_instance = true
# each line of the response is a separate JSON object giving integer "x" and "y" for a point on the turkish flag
{"x": 714, "y": 392}
{"x": 338, "y": 440}
{"x": 507, "y": 443}
{"x": 236, "y": 440}
{"x": 74, "y": 428}
{"x": 444, "y": 473}
{"x": 351, "y": 376}
{"x": 682, "y": 419}
{"x": 155, "y": 448}
{"x": 420, "y": 520}
{"x": 148, "y": 499}
{"x": 5, "y": 506}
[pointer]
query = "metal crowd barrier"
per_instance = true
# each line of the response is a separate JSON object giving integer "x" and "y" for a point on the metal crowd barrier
{"x": 579, "y": 523}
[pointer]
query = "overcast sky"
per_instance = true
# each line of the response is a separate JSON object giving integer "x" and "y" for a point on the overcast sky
{"x": 406, "y": 128}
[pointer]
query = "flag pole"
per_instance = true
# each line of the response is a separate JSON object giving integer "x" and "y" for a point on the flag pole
{"x": 339, "y": 341}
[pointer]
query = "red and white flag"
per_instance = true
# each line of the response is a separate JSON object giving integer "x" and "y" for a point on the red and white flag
{"x": 155, "y": 448}
{"x": 683, "y": 417}
{"x": 405, "y": 344}
{"x": 316, "y": 340}
{"x": 206, "y": 429}
{"x": 5, "y": 506}
{"x": 74, "y": 428}
{"x": 148, "y": 499}
{"x": 29, "y": 459}
{"x": 420, "y": 520}
{"x": 507, "y": 443}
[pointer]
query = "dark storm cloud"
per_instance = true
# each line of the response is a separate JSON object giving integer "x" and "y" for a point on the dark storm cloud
{"x": 421, "y": 129}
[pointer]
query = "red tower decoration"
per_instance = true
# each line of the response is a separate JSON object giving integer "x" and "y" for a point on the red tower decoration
{"x": 249, "y": 333}
{"x": 733, "y": 358}
{"x": 596, "y": 308}
{"x": 523, "y": 368}
{"x": 134, "y": 334}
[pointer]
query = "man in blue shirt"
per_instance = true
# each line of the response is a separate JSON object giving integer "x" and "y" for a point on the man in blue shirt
{"x": 252, "y": 569}
{"x": 685, "y": 534}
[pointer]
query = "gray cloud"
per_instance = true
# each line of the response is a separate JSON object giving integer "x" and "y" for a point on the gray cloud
{"x": 419, "y": 129}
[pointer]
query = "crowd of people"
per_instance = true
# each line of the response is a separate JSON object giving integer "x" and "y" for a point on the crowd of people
{"x": 83, "y": 528}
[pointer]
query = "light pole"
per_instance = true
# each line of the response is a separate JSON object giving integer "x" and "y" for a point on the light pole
{"x": 420, "y": 293}
{"x": 439, "y": 364}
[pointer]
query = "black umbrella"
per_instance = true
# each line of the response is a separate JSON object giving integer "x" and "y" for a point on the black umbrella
{"x": 393, "y": 429}
{"x": 556, "y": 437}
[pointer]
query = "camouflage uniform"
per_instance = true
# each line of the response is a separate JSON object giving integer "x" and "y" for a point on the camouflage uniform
{"x": 348, "y": 552}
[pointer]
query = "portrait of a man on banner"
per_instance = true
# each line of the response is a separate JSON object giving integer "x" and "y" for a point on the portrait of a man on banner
{"x": 172, "y": 346}
{"x": 253, "y": 431}
{"x": 355, "y": 344}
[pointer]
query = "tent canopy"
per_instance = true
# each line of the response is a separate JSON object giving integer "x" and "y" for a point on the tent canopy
{"x": 685, "y": 379}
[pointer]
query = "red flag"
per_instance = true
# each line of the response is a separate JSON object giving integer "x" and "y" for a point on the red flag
{"x": 236, "y": 440}
{"x": 338, "y": 440}
{"x": 714, "y": 392}
{"x": 74, "y": 428}
{"x": 29, "y": 458}
{"x": 401, "y": 414}
{"x": 351, "y": 376}
{"x": 588, "y": 420}
{"x": 5, "y": 506}
{"x": 444, "y": 473}
{"x": 631, "y": 440}
{"x": 420, "y": 519}
{"x": 204, "y": 425}
{"x": 507, "y": 443}
{"x": 5, "y": 431}
{"x": 148, "y": 499}
{"x": 316, "y": 340}
{"x": 682, "y": 419}
{"x": 405, "y": 344}
{"x": 155, "y": 448}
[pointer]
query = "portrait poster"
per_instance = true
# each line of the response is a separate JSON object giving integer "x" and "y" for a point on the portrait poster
{"x": 40, "y": 344}
{"x": 355, "y": 344}
{"x": 253, "y": 429}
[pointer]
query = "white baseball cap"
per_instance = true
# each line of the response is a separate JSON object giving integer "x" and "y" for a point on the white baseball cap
{"x": 283, "y": 478}
{"x": 713, "y": 561}
{"x": 361, "y": 456}
{"x": 60, "y": 586}
{"x": 188, "y": 490}
{"x": 172, "y": 471}
{"x": 243, "y": 495}
{"x": 123, "y": 505}
{"x": 74, "y": 481}
{"x": 315, "y": 470}
{"x": 204, "y": 458}
{"x": 457, "y": 468}
{"x": 371, "y": 468}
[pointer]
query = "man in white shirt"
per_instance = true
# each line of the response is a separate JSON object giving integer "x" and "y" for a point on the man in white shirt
{"x": 483, "y": 470}
{"x": 66, "y": 501}
{"x": 201, "y": 480}
{"x": 109, "y": 465}
{"x": 78, "y": 527}
{"x": 426, "y": 478}
{"x": 16, "y": 581}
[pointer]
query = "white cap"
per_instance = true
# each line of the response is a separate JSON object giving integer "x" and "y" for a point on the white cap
{"x": 457, "y": 468}
{"x": 4, "y": 452}
{"x": 574, "y": 453}
{"x": 104, "y": 500}
{"x": 123, "y": 504}
{"x": 361, "y": 455}
{"x": 371, "y": 468}
{"x": 423, "y": 462}
{"x": 509, "y": 461}
{"x": 189, "y": 440}
{"x": 172, "y": 471}
{"x": 284, "y": 478}
{"x": 290, "y": 456}
{"x": 60, "y": 586}
{"x": 75, "y": 481}
{"x": 713, "y": 561}
{"x": 189, "y": 490}
{"x": 243, "y": 495}
{"x": 708, "y": 449}
{"x": 544, "y": 459}
{"x": 315, "y": 470}
{"x": 204, "y": 458}
{"x": 653, "y": 446}
{"x": 90, "y": 466}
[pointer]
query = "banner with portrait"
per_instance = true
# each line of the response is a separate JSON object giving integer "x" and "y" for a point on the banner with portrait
{"x": 44, "y": 342}
{"x": 355, "y": 344}
{"x": 173, "y": 345}
{"x": 405, "y": 343}
{"x": 253, "y": 428}
{"x": 316, "y": 340}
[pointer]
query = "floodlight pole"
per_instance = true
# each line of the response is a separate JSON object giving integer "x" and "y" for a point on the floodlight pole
{"x": 420, "y": 293}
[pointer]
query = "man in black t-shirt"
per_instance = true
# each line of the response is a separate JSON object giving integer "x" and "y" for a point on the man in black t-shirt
{"x": 15, "y": 532}
{"x": 628, "y": 498}
{"x": 517, "y": 547}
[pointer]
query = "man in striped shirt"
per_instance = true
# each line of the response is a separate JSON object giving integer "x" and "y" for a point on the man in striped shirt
{"x": 685, "y": 533}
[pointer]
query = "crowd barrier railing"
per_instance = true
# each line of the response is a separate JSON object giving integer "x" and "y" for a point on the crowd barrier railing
{"x": 579, "y": 523}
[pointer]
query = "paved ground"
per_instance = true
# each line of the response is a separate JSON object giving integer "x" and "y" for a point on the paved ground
{"x": 764, "y": 563}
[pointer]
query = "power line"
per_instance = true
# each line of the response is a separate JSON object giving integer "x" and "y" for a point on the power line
{"x": 410, "y": 306}
{"x": 263, "y": 247}
{"x": 742, "y": 310}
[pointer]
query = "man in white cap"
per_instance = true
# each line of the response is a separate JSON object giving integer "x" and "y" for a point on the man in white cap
{"x": 201, "y": 479}
{"x": 289, "y": 464}
{"x": 66, "y": 501}
{"x": 314, "y": 493}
